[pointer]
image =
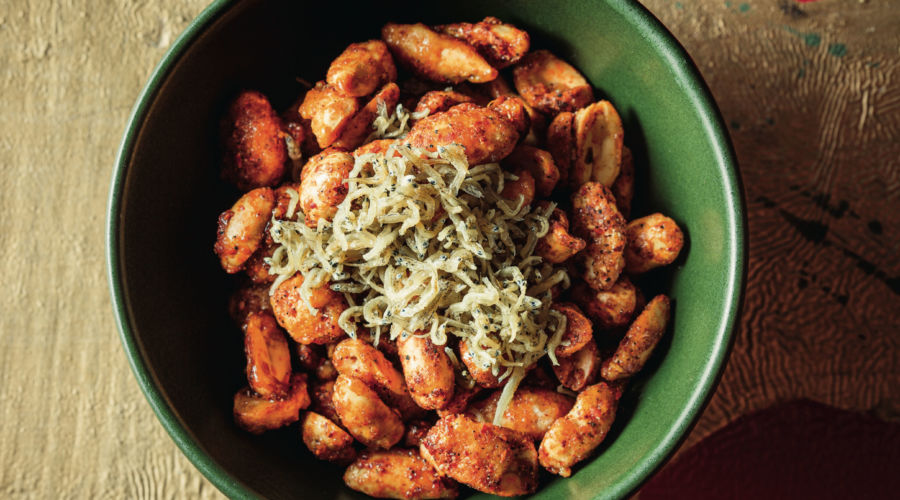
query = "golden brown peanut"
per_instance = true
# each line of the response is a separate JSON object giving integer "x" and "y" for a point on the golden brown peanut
{"x": 500, "y": 44}
{"x": 557, "y": 246}
{"x": 599, "y": 222}
{"x": 580, "y": 369}
{"x": 496, "y": 88}
{"x": 598, "y": 145}
{"x": 304, "y": 326}
{"x": 653, "y": 241}
{"x": 460, "y": 401}
{"x": 387, "y": 346}
{"x": 361, "y": 68}
{"x": 550, "y": 84}
{"x": 415, "y": 432}
{"x": 360, "y": 126}
{"x": 639, "y": 341}
{"x": 428, "y": 371}
{"x": 248, "y": 299}
{"x": 578, "y": 329}
{"x": 256, "y": 414}
{"x": 299, "y": 131}
{"x": 328, "y": 112}
{"x": 241, "y": 228}
{"x": 255, "y": 267}
{"x": 378, "y": 146}
{"x": 539, "y": 164}
{"x": 436, "y": 56}
{"x": 308, "y": 356}
{"x": 254, "y": 150}
{"x": 438, "y": 101}
{"x": 482, "y": 375}
{"x": 326, "y": 370}
{"x": 513, "y": 109}
{"x": 623, "y": 188}
{"x": 486, "y": 457}
{"x": 519, "y": 189}
{"x": 322, "y": 395}
{"x": 359, "y": 359}
{"x": 484, "y": 135}
{"x": 572, "y": 438}
{"x": 364, "y": 415}
{"x": 612, "y": 308}
{"x": 323, "y": 184}
{"x": 399, "y": 474}
{"x": 326, "y": 440}
{"x": 561, "y": 143}
{"x": 531, "y": 411}
{"x": 268, "y": 356}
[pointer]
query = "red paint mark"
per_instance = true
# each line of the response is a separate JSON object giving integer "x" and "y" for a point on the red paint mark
{"x": 805, "y": 1}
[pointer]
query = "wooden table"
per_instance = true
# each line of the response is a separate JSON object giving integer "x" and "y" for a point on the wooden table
{"x": 810, "y": 92}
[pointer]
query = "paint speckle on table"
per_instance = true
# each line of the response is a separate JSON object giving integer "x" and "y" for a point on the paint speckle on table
{"x": 837, "y": 49}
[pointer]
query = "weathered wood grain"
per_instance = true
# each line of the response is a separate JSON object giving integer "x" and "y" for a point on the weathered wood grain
{"x": 73, "y": 423}
{"x": 811, "y": 95}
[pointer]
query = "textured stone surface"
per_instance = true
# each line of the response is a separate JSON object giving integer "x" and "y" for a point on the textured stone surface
{"x": 811, "y": 95}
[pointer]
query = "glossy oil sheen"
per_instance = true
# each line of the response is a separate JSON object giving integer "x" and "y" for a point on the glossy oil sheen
{"x": 170, "y": 295}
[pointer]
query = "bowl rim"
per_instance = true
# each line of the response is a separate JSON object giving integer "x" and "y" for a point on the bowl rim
{"x": 691, "y": 81}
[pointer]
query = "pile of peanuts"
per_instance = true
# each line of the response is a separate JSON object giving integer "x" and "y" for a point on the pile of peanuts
{"x": 400, "y": 415}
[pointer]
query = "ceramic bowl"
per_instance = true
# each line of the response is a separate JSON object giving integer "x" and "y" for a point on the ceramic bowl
{"x": 170, "y": 295}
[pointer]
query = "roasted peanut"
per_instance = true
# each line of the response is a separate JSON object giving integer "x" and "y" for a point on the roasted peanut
{"x": 303, "y": 325}
{"x": 326, "y": 440}
{"x": 539, "y": 164}
{"x": 639, "y": 342}
{"x": 359, "y": 126}
{"x": 256, "y": 414}
{"x": 361, "y": 68}
{"x": 268, "y": 356}
{"x": 364, "y": 415}
{"x": 557, "y": 246}
{"x": 531, "y": 411}
{"x": 500, "y": 44}
{"x": 484, "y": 135}
{"x": 572, "y": 438}
{"x": 399, "y": 474}
{"x": 328, "y": 112}
{"x": 512, "y": 109}
{"x": 580, "y": 369}
{"x": 578, "y": 329}
{"x": 612, "y": 308}
{"x": 428, "y": 371}
{"x": 248, "y": 299}
{"x": 323, "y": 184}
{"x": 520, "y": 189}
{"x": 436, "y": 56}
{"x": 255, "y": 153}
{"x": 438, "y": 101}
{"x": 241, "y": 229}
{"x": 486, "y": 457}
{"x": 653, "y": 241}
{"x": 550, "y": 84}
{"x": 599, "y": 222}
{"x": 598, "y": 145}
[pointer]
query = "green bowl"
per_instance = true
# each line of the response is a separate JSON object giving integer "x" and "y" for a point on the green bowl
{"x": 170, "y": 296}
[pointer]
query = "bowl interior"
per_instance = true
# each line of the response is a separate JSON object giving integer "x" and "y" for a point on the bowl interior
{"x": 171, "y": 296}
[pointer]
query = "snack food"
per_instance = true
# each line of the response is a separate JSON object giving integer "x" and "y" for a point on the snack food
{"x": 432, "y": 268}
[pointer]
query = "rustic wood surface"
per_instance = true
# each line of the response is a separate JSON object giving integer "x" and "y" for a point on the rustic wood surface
{"x": 810, "y": 92}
